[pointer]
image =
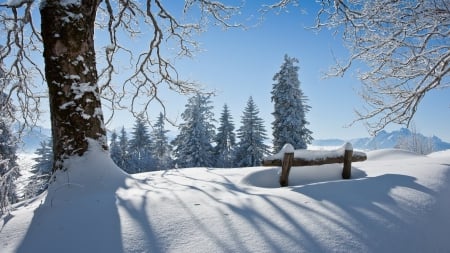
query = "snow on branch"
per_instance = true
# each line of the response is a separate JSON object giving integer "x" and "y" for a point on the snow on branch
{"x": 405, "y": 47}
{"x": 167, "y": 29}
{"x": 19, "y": 43}
{"x": 154, "y": 64}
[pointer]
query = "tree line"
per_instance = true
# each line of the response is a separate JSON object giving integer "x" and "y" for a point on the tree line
{"x": 198, "y": 142}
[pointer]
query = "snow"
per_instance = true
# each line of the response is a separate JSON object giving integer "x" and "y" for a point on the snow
{"x": 79, "y": 89}
{"x": 287, "y": 148}
{"x": 391, "y": 153}
{"x": 67, "y": 105}
{"x": 26, "y": 161}
{"x": 313, "y": 154}
{"x": 395, "y": 202}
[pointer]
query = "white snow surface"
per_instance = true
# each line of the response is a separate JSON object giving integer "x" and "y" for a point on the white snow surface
{"x": 313, "y": 154}
{"x": 394, "y": 202}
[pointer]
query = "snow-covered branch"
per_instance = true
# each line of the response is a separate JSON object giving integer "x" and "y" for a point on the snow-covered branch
{"x": 19, "y": 44}
{"x": 167, "y": 28}
{"x": 405, "y": 46}
{"x": 154, "y": 64}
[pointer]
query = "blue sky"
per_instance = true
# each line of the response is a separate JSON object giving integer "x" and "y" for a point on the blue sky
{"x": 240, "y": 63}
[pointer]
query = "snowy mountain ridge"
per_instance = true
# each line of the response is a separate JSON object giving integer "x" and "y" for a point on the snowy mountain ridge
{"x": 384, "y": 140}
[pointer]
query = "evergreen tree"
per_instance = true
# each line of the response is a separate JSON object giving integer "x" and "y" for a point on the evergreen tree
{"x": 251, "y": 148}
{"x": 114, "y": 149}
{"x": 140, "y": 156}
{"x": 123, "y": 156}
{"x": 193, "y": 146}
{"x": 9, "y": 170}
{"x": 225, "y": 140}
{"x": 289, "y": 108}
{"x": 41, "y": 170}
{"x": 160, "y": 146}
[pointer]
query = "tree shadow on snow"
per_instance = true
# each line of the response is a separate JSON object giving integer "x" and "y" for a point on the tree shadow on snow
{"x": 229, "y": 217}
{"x": 373, "y": 211}
{"x": 75, "y": 224}
{"x": 359, "y": 214}
{"x": 74, "y": 218}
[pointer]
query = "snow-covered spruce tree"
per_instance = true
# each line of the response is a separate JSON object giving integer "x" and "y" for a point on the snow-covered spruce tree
{"x": 193, "y": 145}
{"x": 225, "y": 140}
{"x": 9, "y": 170}
{"x": 41, "y": 170}
{"x": 114, "y": 149}
{"x": 124, "y": 158}
{"x": 290, "y": 107}
{"x": 251, "y": 149}
{"x": 160, "y": 147}
{"x": 140, "y": 154}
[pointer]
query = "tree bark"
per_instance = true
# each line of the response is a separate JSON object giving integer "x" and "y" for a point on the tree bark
{"x": 71, "y": 75}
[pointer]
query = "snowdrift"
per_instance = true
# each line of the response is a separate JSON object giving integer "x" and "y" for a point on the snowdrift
{"x": 395, "y": 202}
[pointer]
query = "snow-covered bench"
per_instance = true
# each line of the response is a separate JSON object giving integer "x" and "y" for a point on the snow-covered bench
{"x": 288, "y": 157}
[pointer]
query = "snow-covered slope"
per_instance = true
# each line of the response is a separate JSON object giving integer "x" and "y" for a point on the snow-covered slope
{"x": 395, "y": 202}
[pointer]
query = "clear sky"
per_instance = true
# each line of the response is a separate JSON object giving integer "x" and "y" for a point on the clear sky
{"x": 240, "y": 63}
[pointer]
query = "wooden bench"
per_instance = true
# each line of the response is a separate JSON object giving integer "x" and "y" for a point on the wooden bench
{"x": 288, "y": 157}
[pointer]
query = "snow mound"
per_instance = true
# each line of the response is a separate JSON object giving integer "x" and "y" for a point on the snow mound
{"x": 104, "y": 175}
{"x": 440, "y": 154}
{"x": 96, "y": 163}
{"x": 268, "y": 178}
{"x": 389, "y": 154}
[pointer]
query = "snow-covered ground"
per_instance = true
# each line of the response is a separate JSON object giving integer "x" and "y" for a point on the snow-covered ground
{"x": 396, "y": 201}
{"x": 26, "y": 162}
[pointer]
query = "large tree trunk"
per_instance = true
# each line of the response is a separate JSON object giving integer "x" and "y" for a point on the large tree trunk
{"x": 70, "y": 70}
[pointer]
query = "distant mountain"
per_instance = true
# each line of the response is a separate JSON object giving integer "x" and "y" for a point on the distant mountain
{"x": 32, "y": 139}
{"x": 384, "y": 140}
{"x": 328, "y": 142}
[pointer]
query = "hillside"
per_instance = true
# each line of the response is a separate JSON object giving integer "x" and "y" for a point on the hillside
{"x": 396, "y": 201}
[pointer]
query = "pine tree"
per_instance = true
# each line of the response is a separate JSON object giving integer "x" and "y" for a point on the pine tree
{"x": 160, "y": 147}
{"x": 225, "y": 140}
{"x": 140, "y": 157}
{"x": 251, "y": 148}
{"x": 290, "y": 107}
{"x": 9, "y": 170}
{"x": 41, "y": 170}
{"x": 193, "y": 146}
